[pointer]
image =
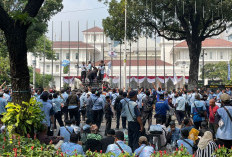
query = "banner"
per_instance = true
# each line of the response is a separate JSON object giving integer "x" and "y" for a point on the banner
{"x": 65, "y": 63}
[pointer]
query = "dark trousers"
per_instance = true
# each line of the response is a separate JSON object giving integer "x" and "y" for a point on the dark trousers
{"x": 97, "y": 117}
{"x": 83, "y": 113}
{"x": 133, "y": 135}
{"x": 108, "y": 123}
{"x": 163, "y": 117}
{"x": 180, "y": 116}
{"x": 226, "y": 143}
{"x": 83, "y": 76}
{"x": 213, "y": 127}
{"x": 89, "y": 115}
{"x": 197, "y": 125}
{"x": 147, "y": 116}
{"x": 58, "y": 117}
{"x": 118, "y": 115}
{"x": 124, "y": 122}
{"x": 75, "y": 113}
{"x": 64, "y": 111}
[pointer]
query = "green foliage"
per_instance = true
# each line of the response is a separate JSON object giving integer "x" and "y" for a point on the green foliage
{"x": 38, "y": 25}
{"x": 40, "y": 81}
{"x": 66, "y": 69}
{"x": 23, "y": 119}
{"x": 4, "y": 70}
{"x": 27, "y": 147}
{"x": 43, "y": 46}
{"x": 217, "y": 71}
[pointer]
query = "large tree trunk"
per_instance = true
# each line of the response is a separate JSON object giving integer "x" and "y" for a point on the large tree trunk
{"x": 20, "y": 78}
{"x": 194, "y": 54}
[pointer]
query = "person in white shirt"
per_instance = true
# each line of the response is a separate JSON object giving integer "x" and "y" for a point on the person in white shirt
{"x": 83, "y": 71}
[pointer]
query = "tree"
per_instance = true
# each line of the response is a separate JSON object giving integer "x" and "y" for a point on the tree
{"x": 15, "y": 25}
{"x": 218, "y": 71}
{"x": 190, "y": 20}
{"x": 40, "y": 80}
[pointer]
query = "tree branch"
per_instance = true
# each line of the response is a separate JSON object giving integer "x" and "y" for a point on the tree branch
{"x": 5, "y": 19}
{"x": 32, "y": 7}
{"x": 220, "y": 29}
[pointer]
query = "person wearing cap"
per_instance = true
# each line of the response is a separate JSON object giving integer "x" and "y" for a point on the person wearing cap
{"x": 66, "y": 131}
{"x": 3, "y": 104}
{"x": 224, "y": 119}
{"x": 109, "y": 139}
{"x": 119, "y": 146}
{"x": 144, "y": 149}
{"x": 135, "y": 125}
{"x": 123, "y": 103}
{"x": 71, "y": 148}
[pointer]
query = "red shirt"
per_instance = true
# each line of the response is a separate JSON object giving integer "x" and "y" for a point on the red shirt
{"x": 212, "y": 112}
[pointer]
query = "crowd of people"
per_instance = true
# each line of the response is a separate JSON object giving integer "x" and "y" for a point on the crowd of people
{"x": 90, "y": 72}
{"x": 199, "y": 120}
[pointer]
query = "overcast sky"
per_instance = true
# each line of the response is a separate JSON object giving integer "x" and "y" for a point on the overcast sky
{"x": 74, "y": 11}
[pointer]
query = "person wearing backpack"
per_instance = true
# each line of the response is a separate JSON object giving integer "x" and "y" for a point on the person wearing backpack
{"x": 224, "y": 119}
{"x": 73, "y": 103}
{"x": 198, "y": 111}
{"x": 148, "y": 103}
{"x": 118, "y": 108}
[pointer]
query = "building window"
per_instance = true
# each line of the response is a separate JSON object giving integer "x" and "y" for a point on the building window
{"x": 47, "y": 68}
{"x": 211, "y": 55}
{"x": 57, "y": 56}
{"x": 67, "y": 56}
{"x": 57, "y": 68}
{"x": 221, "y": 55}
{"x": 77, "y": 56}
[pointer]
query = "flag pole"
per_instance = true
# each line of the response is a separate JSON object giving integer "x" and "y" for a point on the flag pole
{"x": 125, "y": 42}
{"x": 61, "y": 54}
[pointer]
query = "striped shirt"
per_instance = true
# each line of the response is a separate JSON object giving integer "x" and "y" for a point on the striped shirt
{"x": 208, "y": 151}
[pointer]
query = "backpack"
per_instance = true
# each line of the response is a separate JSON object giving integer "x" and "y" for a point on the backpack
{"x": 73, "y": 100}
{"x": 148, "y": 105}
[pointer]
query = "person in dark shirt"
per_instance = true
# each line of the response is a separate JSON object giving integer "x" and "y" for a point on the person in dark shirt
{"x": 118, "y": 107}
{"x": 108, "y": 140}
{"x": 108, "y": 114}
{"x": 161, "y": 108}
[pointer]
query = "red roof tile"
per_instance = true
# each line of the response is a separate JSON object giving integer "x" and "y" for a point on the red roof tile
{"x": 134, "y": 63}
{"x": 73, "y": 44}
{"x": 210, "y": 43}
{"x": 94, "y": 29}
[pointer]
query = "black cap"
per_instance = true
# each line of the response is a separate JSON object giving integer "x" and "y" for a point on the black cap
{"x": 111, "y": 132}
{"x": 68, "y": 122}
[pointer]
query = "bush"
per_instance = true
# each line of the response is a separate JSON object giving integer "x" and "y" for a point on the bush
{"x": 23, "y": 119}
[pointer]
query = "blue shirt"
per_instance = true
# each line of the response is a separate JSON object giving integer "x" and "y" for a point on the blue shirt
{"x": 175, "y": 134}
{"x": 64, "y": 133}
{"x": 200, "y": 107}
{"x": 83, "y": 99}
{"x": 140, "y": 98}
{"x": 56, "y": 102}
{"x": 124, "y": 104}
{"x": 186, "y": 145}
{"x": 146, "y": 152}
{"x": 65, "y": 96}
{"x": 113, "y": 148}
{"x": 158, "y": 94}
{"x": 47, "y": 109}
{"x": 114, "y": 96}
{"x": 161, "y": 107}
{"x": 98, "y": 103}
{"x": 225, "y": 131}
{"x": 7, "y": 97}
{"x": 3, "y": 104}
{"x": 69, "y": 148}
